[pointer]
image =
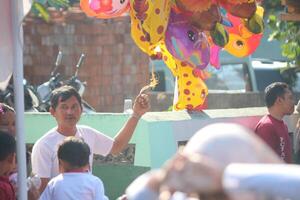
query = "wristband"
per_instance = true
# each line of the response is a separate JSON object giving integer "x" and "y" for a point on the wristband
{"x": 134, "y": 115}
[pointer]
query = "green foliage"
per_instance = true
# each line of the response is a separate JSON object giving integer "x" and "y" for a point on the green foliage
{"x": 39, "y": 10}
{"x": 39, "y": 7}
{"x": 58, "y": 3}
{"x": 288, "y": 33}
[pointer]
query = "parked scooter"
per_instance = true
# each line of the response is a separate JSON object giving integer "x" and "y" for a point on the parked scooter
{"x": 31, "y": 99}
{"x": 38, "y": 99}
{"x": 55, "y": 81}
{"x": 44, "y": 90}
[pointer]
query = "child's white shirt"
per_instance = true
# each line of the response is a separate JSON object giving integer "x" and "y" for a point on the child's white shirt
{"x": 74, "y": 185}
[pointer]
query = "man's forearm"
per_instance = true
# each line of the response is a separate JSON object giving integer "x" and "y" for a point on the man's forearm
{"x": 124, "y": 135}
{"x": 44, "y": 182}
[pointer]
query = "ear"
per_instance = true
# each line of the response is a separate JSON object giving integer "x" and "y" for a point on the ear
{"x": 52, "y": 111}
{"x": 278, "y": 100}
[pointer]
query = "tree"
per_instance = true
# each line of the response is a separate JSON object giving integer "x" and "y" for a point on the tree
{"x": 39, "y": 7}
{"x": 288, "y": 33}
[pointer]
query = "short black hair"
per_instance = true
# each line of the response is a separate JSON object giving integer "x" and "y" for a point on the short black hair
{"x": 63, "y": 93}
{"x": 74, "y": 151}
{"x": 7, "y": 145}
{"x": 273, "y": 91}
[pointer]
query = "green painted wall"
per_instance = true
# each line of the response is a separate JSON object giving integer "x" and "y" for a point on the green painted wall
{"x": 117, "y": 177}
{"x": 156, "y": 137}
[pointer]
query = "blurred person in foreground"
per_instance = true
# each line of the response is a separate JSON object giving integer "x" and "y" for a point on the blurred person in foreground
{"x": 271, "y": 128}
{"x": 207, "y": 169}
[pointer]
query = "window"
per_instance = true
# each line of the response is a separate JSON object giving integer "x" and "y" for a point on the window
{"x": 229, "y": 77}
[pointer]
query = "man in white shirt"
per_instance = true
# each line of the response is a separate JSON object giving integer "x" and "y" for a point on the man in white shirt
{"x": 66, "y": 108}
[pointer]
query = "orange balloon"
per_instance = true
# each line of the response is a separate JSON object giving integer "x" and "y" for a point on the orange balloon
{"x": 241, "y": 41}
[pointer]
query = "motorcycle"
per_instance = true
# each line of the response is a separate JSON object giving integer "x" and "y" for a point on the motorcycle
{"x": 31, "y": 99}
{"x": 80, "y": 86}
{"x": 55, "y": 81}
{"x": 37, "y": 99}
{"x": 44, "y": 90}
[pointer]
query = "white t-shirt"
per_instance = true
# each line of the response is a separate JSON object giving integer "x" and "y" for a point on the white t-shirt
{"x": 44, "y": 153}
{"x": 69, "y": 186}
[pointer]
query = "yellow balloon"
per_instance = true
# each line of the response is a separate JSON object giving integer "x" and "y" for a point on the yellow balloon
{"x": 168, "y": 58}
{"x": 157, "y": 22}
{"x": 137, "y": 34}
{"x": 141, "y": 9}
{"x": 192, "y": 91}
{"x": 149, "y": 20}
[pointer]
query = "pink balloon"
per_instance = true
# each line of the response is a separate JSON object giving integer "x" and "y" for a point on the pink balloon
{"x": 105, "y": 8}
{"x": 186, "y": 43}
{"x": 214, "y": 56}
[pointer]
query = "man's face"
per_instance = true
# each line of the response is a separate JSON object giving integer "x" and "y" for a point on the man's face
{"x": 288, "y": 102}
{"x": 7, "y": 122}
{"x": 67, "y": 113}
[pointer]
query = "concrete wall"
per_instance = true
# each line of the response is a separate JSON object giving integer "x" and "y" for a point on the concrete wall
{"x": 156, "y": 131}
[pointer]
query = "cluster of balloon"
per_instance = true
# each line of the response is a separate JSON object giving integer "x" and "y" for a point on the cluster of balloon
{"x": 188, "y": 35}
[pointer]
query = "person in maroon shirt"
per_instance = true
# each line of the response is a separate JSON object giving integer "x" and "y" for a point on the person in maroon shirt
{"x": 7, "y": 165}
{"x": 279, "y": 100}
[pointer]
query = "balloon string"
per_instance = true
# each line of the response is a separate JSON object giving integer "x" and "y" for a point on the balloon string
{"x": 153, "y": 79}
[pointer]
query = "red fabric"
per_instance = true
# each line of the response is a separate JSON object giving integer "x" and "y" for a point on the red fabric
{"x": 6, "y": 189}
{"x": 275, "y": 133}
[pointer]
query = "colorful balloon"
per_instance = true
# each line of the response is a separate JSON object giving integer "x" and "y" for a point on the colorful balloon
{"x": 141, "y": 9}
{"x": 242, "y": 42}
{"x": 138, "y": 34}
{"x": 206, "y": 20}
{"x": 154, "y": 20}
{"x": 150, "y": 19}
{"x": 186, "y": 43}
{"x": 214, "y": 56}
{"x": 104, "y": 8}
{"x": 168, "y": 58}
{"x": 187, "y": 35}
{"x": 158, "y": 20}
{"x": 192, "y": 91}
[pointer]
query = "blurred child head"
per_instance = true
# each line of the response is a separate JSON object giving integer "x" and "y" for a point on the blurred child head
{"x": 7, "y": 119}
{"x": 73, "y": 154}
{"x": 7, "y": 153}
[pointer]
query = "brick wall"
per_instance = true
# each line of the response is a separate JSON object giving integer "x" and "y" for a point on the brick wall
{"x": 114, "y": 67}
